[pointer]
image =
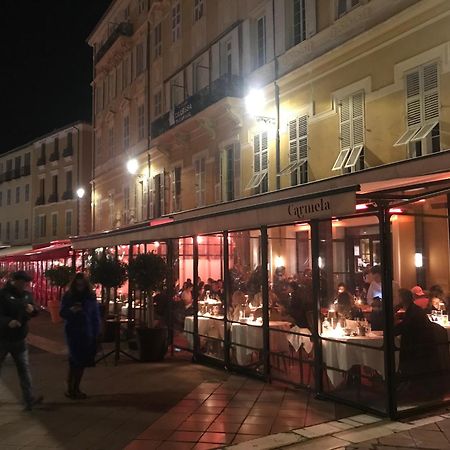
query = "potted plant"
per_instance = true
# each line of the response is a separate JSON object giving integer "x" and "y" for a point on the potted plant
{"x": 60, "y": 277}
{"x": 111, "y": 274}
{"x": 148, "y": 273}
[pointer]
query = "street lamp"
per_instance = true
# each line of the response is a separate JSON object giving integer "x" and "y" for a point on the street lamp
{"x": 255, "y": 102}
{"x": 80, "y": 194}
{"x": 132, "y": 166}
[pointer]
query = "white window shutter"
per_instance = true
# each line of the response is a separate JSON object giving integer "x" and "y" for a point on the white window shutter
{"x": 310, "y": 16}
{"x": 303, "y": 137}
{"x": 344, "y": 123}
{"x": 431, "y": 92}
{"x": 413, "y": 111}
{"x": 237, "y": 170}
{"x": 358, "y": 119}
{"x": 256, "y": 154}
{"x": 264, "y": 151}
{"x": 293, "y": 140}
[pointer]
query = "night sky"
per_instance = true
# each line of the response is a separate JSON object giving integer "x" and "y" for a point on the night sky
{"x": 46, "y": 65}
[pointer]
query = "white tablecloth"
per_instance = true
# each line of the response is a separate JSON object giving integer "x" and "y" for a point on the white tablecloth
{"x": 246, "y": 335}
{"x": 299, "y": 340}
{"x": 207, "y": 326}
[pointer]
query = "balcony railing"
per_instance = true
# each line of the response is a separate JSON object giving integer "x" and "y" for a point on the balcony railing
{"x": 122, "y": 29}
{"x": 2, "y": 177}
{"x": 16, "y": 173}
{"x": 53, "y": 198}
{"x": 40, "y": 200}
{"x": 8, "y": 175}
{"x": 68, "y": 195}
{"x": 54, "y": 156}
{"x": 68, "y": 151}
{"x": 41, "y": 161}
{"x": 227, "y": 86}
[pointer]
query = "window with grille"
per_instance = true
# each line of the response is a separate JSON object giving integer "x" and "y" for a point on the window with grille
{"x": 157, "y": 41}
{"x": 200, "y": 180}
{"x": 141, "y": 122}
{"x": 157, "y": 102}
{"x": 351, "y": 126}
{"x": 259, "y": 182}
{"x": 176, "y": 21}
{"x": 198, "y": 9}
{"x": 260, "y": 41}
{"x": 422, "y": 111}
{"x": 298, "y": 151}
{"x": 176, "y": 189}
{"x": 126, "y": 131}
{"x": 344, "y": 6}
{"x": 299, "y": 21}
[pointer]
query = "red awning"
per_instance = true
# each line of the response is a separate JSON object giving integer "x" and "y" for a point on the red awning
{"x": 54, "y": 250}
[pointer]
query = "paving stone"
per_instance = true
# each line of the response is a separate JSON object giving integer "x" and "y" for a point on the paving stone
{"x": 364, "y": 434}
{"x": 317, "y": 430}
{"x": 430, "y": 439}
{"x": 365, "y": 418}
{"x": 273, "y": 441}
{"x": 426, "y": 420}
{"x": 398, "y": 440}
{"x": 325, "y": 443}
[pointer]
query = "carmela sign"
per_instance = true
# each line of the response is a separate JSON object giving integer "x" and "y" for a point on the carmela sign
{"x": 308, "y": 209}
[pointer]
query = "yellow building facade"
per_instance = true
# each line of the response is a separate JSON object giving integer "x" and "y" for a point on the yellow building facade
{"x": 196, "y": 93}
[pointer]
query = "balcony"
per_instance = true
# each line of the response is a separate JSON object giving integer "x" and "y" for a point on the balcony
{"x": 53, "y": 198}
{"x": 223, "y": 87}
{"x": 8, "y": 175}
{"x": 2, "y": 177}
{"x": 41, "y": 161}
{"x": 68, "y": 151}
{"x": 26, "y": 170}
{"x": 122, "y": 29}
{"x": 16, "y": 173}
{"x": 54, "y": 156}
{"x": 68, "y": 195}
{"x": 40, "y": 200}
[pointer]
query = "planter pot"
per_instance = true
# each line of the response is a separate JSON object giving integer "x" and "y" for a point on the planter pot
{"x": 53, "y": 309}
{"x": 152, "y": 343}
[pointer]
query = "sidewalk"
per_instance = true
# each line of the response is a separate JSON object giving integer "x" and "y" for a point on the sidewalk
{"x": 179, "y": 405}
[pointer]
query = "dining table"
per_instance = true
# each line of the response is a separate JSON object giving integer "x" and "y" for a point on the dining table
{"x": 208, "y": 326}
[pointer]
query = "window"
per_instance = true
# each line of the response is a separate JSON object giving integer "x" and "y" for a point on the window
{"x": 1, "y": 233}
{"x": 351, "y": 122}
{"x": 56, "y": 146}
{"x": 126, "y": 13}
{"x": 143, "y": 5}
{"x": 422, "y": 111}
{"x": 27, "y": 192}
{"x": 1, "y": 199}
{"x": 298, "y": 151}
{"x": 200, "y": 180}
{"x": 16, "y": 230}
{"x": 8, "y": 197}
{"x": 226, "y": 59}
{"x": 260, "y": 41}
{"x": 176, "y": 189}
{"x": 158, "y": 195}
{"x": 177, "y": 90}
{"x": 42, "y": 189}
{"x": 69, "y": 181}
{"x": 55, "y": 187}
{"x": 157, "y": 41}
{"x": 176, "y": 21}
{"x": 111, "y": 141}
{"x": 344, "y": 6}
{"x": 26, "y": 231}
{"x": 140, "y": 58}
{"x": 69, "y": 140}
{"x": 68, "y": 228}
{"x": 18, "y": 194}
{"x": 17, "y": 165}
{"x": 198, "y": 10}
{"x": 8, "y": 231}
{"x": 54, "y": 224}
{"x": 126, "y": 71}
{"x": 141, "y": 122}
{"x": 157, "y": 102}
{"x": 42, "y": 220}
{"x": 259, "y": 181}
{"x": 126, "y": 132}
{"x": 126, "y": 203}
{"x": 230, "y": 172}
{"x": 27, "y": 164}
{"x": 299, "y": 21}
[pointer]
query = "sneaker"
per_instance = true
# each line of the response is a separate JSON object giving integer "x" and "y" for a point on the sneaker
{"x": 35, "y": 401}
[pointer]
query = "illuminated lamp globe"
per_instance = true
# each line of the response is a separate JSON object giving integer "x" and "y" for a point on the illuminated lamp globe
{"x": 132, "y": 166}
{"x": 80, "y": 192}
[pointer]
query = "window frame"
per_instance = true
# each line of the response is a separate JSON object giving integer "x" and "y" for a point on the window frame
{"x": 176, "y": 21}
{"x": 199, "y": 12}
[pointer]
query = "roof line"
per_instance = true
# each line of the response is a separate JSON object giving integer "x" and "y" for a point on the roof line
{"x": 97, "y": 25}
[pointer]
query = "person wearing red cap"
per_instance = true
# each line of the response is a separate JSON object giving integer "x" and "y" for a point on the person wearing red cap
{"x": 420, "y": 298}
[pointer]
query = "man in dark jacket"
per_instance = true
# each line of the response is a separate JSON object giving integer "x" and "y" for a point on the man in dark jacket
{"x": 16, "y": 309}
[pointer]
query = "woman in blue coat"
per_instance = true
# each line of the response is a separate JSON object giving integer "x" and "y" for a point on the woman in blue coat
{"x": 80, "y": 311}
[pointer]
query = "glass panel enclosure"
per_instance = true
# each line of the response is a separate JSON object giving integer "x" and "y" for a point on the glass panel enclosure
{"x": 210, "y": 299}
{"x": 421, "y": 284}
{"x": 291, "y": 304}
{"x": 352, "y": 321}
{"x": 245, "y": 312}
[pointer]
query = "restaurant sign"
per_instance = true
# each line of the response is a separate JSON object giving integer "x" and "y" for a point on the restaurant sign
{"x": 306, "y": 209}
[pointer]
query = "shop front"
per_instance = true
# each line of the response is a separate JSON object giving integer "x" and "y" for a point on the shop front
{"x": 303, "y": 287}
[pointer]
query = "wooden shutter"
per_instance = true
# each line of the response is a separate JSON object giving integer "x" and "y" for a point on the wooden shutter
{"x": 257, "y": 153}
{"x": 430, "y": 92}
{"x": 344, "y": 123}
{"x": 413, "y": 99}
{"x": 293, "y": 141}
{"x": 303, "y": 137}
{"x": 357, "y": 119}
{"x": 264, "y": 151}
{"x": 310, "y": 12}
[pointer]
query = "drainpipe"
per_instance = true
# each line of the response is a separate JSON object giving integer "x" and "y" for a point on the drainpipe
{"x": 78, "y": 178}
{"x": 277, "y": 103}
{"x": 149, "y": 59}
{"x": 94, "y": 100}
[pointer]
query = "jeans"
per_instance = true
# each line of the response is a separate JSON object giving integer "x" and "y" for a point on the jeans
{"x": 19, "y": 352}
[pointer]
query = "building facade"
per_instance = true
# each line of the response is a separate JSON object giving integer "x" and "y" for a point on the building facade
{"x": 16, "y": 197}
{"x": 61, "y": 174}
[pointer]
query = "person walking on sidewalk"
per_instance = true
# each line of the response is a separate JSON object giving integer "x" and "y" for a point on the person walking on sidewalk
{"x": 80, "y": 311}
{"x": 16, "y": 309}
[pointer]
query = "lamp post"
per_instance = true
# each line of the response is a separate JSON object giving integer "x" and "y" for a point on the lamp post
{"x": 80, "y": 194}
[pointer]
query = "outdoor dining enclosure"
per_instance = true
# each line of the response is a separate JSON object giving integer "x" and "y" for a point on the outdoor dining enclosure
{"x": 267, "y": 300}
